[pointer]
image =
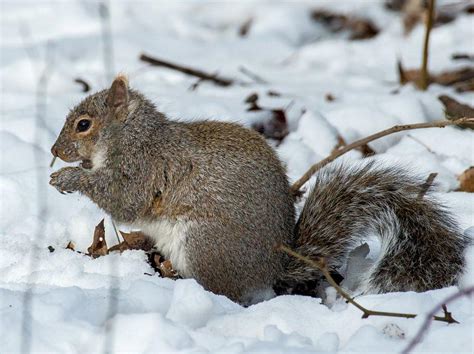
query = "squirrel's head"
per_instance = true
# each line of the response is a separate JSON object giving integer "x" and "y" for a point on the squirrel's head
{"x": 85, "y": 122}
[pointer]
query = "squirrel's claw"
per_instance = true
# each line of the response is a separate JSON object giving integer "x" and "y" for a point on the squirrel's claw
{"x": 64, "y": 180}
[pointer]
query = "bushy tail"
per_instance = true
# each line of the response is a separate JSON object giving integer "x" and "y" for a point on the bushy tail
{"x": 421, "y": 246}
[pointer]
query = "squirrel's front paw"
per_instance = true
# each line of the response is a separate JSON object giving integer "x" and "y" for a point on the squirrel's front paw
{"x": 66, "y": 180}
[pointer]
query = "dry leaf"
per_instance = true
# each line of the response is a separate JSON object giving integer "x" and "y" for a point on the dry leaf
{"x": 166, "y": 270}
{"x": 71, "y": 246}
{"x": 340, "y": 143}
{"x": 275, "y": 126}
{"x": 466, "y": 180}
{"x": 358, "y": 28}
{"x": 414, "y": 12}
{"x": 122, "y": 246}
{"x": 137, "y": 240}
{"x": 461, "y": 79}
{"x": 99, "y": 245}
{"x": 455, "y": 110}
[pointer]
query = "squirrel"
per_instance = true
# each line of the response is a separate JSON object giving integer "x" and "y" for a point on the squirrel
{"x": 216, "y": 200}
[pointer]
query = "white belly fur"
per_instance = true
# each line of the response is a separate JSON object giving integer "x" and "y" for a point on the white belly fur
{"x": 170, "y": 237}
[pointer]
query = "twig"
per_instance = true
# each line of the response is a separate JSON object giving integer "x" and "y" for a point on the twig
{"x": 245, "y": 27}
{"x": 424, "y": 79}
{"x": 51, "y": 164}
{"x": 321, "y": 265}
{"x": 252, "y": 75}
{"x": 395, "y": 129}
{"x": 218, "y": 80}
{"x": 85, "y": 86}
{"x": 115, "y": 229}
{"x": 420, "y": 142}
{"x": 427, "y": 185}
{"x": 426, "y": 324}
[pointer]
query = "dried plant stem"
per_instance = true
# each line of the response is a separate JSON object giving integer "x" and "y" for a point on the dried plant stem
{"x": 426, "y": 324}
{"x": 427, "y": 185}
{"x": 321, "y": 265}
{"x": 116, "y": 232}
{"x": 424, "y": 78}
{"x": 397, "y": 128}
{"x": 218, "y": 80}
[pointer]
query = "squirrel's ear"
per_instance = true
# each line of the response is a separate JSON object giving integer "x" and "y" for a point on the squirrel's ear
{"x": 118, "y": 93}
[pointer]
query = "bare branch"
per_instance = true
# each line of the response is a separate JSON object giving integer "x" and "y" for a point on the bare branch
{"x": 322, "y": 266}
{"x": 397, "y": 128}
{"x": 218, "y": 80}
{"x": 426, "y": 324}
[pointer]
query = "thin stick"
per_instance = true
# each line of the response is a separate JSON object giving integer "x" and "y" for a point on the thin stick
{"x": 424, "y": 79}
{"x": 427, "y": 185}
{"x": 115, "y": 229}
{"x": 426, "y": 324}
{"x": 258, "y": 79}
{"x": 321, "y": 265}
{"x": 218, "y": 80}
{"x": 85, "y": 85}
{"x": 398, "y": 128}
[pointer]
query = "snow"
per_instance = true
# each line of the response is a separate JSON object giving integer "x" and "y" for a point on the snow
{"x": 72, "y": 295}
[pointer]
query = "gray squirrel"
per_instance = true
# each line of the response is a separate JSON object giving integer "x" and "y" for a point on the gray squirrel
{"x": 216, "y": 200}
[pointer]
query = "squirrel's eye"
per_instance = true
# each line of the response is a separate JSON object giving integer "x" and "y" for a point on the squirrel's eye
{"x": 83, "y": 125}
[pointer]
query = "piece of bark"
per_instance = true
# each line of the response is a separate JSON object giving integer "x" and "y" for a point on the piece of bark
{"x": 99, "y": 244}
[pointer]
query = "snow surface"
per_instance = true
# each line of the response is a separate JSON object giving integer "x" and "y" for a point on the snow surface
{"x": 71, "y": 311}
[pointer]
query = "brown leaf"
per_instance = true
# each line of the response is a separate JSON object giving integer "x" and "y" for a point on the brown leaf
{"x": 455, "y": 110}
{"x": 122, "y": 246}
{"x": 137, "y": 240}
{"x": 340, "y": 143}
{"x": 366, "y": 150}
{"x": 71, "y": 246}
{"x": 414, "y": 12}
{"x": 358, "y": 28}
{"x": 275, "y": 127}
{"x": 99, "y": 245}
{"x": 166, "y": 270}
{"x": 466, "y": 180}
{"x": 461, "y": 79}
